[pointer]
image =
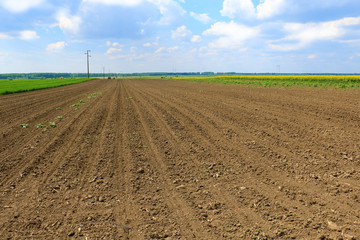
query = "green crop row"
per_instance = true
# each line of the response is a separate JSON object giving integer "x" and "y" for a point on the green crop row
{"x": 335, "y": 81}
{"x": 15, "y": 86}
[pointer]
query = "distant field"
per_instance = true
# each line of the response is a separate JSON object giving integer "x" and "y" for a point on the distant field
{"x": 335, "y": 81}
{"x": 15, "y": 86}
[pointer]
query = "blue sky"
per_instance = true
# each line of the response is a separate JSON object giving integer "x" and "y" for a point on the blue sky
{"x": 180, "y": 35}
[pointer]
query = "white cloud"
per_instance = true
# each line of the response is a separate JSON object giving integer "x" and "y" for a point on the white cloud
{"x": 5, "y": 36}
{"x": 202, "y": 17}
{"x": 113, "y": 51}
{"x": 159, "y": 50}
{"x": 19, "y": 6}
{"x": 28, "y": 35}
{"x": 196, "y": 38}
{"x": 130, "y": 19}
{"x": 155, "y": 43}
{"x": 269, "y": 8}
{"x": 127, "y": 3}
{"x": 55, "y": 47}
{"x": 232, "y": 35}
{"x": 238, "y": 8}
{"x": 170, "y": 10}
{"x": 22, "y": 35}
{"x": 173, "y": 49}
{"x": 246, "y": 9}
{"x": 181, "y": 32}
{"x": 116, "y": 44}
{"x": 300, "y": 35}
{"x": 67, "y": 23}
{"x": 312, "y": 56}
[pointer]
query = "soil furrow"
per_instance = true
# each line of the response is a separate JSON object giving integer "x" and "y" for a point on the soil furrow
{"x": 160, "y": 159}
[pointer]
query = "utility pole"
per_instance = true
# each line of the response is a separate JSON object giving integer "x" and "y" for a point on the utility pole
{"x": 88, "y": 65}
{"x": 104, "y": 72}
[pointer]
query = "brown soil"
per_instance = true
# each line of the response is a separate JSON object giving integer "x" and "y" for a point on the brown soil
{"x": 157, "y": 159}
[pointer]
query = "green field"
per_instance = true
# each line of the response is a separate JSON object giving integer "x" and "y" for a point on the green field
{"x": 15, "y": 86}
{"x": 325, "y": 81}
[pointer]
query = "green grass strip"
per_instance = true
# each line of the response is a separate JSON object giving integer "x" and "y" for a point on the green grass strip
{"x": 16, "y": 86}
{"x": 324, "y": 81}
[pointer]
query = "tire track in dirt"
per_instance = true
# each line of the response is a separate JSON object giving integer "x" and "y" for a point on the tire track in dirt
{"x": 192, "y": 228}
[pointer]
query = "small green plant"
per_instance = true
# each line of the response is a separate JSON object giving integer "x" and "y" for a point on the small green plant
{"x": 59, "y": 117}
{"x": 130, "y": 98}
{"x": 81, "y": 101}
{"x": 52, "y": 124}
{"x": 227, "y": 229}
{"x": 75, "y": 105}
{"x": 58, "y": 108}
{"x": 24, "y": 125}
{"x": 39, "y": 125}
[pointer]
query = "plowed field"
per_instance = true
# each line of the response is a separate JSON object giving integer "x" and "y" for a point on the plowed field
{"x": 156, "y": 159}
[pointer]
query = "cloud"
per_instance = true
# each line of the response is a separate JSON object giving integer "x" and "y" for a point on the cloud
{"x": 312, "y": 56}
{"x": 300, "y": 35}
{"x": 116, "y": 44}
{"x": 231, "y": 35}
{"x": 132, "y": 19}
{"x": 170, "y": 10}
{"x": 238, "y": 8}
{"x": 55, "y": 47}
{"x": 22, "y": 35}
{"x": 20, "y": 6}
{"x": 196, "y": 38}
{"x": 202, "y": 17}
{"x": 127, "y": 3}
{"x": 173, "y": 49}
{"x": 28, "y": 35}
{"x": 245, "y": 9}
{"x": 67, "y": 23}
{"x": 98, "y": 20}
{"x": 159, "y": 50}
{"x": 113, "y": 51}
{"x": 181, "y": 33}
{"x": 150, "y": 44}
{"x": 5, "y": 36}
{"x": 270, "y": 8}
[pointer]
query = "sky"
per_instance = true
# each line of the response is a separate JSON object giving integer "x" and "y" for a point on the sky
{"x": 125, "y": 36}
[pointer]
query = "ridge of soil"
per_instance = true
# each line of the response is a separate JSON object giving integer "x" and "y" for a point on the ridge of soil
{"x": 159, "y": 159}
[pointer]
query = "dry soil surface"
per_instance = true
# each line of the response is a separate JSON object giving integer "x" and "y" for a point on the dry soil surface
{"x": 158, "y": 159}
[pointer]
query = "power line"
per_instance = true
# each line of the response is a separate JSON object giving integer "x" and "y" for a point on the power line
{"x": 88, "y": 64}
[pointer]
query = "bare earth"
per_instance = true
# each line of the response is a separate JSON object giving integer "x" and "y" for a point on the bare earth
{"x": 156, "y": 159}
